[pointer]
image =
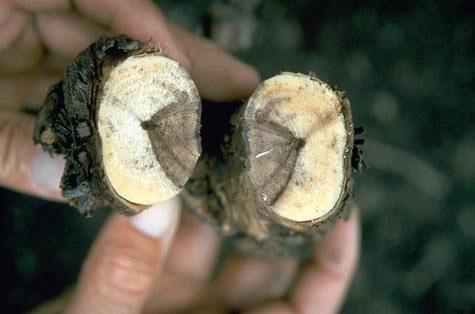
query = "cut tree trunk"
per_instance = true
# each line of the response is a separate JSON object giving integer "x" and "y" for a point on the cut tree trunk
{"x": 274, "y": 173}
{"x": 284, "y": 175}
{"x": 127, "y": 120}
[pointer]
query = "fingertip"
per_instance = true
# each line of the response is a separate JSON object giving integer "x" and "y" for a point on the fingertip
{"x": 185, "y": 278}
{"x": 43, "y": 6}
{"x": 158, "y": 219}
{"x": 197, "y": 239}
{"x": 244, "y": 80}
{"x": 226, "y": 80}
{"x": 140, "y": 20}
{"x": 323, "y": 283}
{"x": 255, "y": 279}
{"x": 125, "y": 261}
{"x": 23, "y": 166}
{"x": 276, "y": 307}
{"x": 337, "y": 253}
{"x": 66, "y": 34}
{"x": 218, "y": 75}
{"x": 45, "y": 174}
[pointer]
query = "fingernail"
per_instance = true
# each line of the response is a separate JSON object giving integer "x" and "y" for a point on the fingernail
{"x": 46, "y": 172}
{"x": 160, "y": 220}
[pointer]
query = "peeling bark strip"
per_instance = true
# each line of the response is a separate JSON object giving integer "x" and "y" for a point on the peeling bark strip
{"x": 127, "y": 120}
{"x": 284, "y": 175}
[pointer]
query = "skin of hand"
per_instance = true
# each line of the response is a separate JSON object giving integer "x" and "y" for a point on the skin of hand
{"x": 159, "y": 261}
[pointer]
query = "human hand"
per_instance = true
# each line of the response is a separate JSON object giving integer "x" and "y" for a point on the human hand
{"x": 128, "y": 270}
{"x": 39, "y": 38}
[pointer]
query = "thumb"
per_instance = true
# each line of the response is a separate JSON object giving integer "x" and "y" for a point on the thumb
{"x": 125, "y": 261}
{"x": 23, "y": 166}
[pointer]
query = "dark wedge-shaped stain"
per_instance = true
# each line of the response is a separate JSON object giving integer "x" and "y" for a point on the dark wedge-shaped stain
{"x": 171, "y": 139}
{"x": 273, "y": 151}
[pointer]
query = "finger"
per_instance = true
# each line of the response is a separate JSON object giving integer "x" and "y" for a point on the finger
{"x": 218, "y": 75}
{"x": 248, "y": 280}
{"x": 189, "y": 267}
{"x": 12, "y": 21}
{"x": 66, "y": 34}
{"x": 25, "y": 53}
{"x": 139, "y": 19}
{"x": 15, "y": 34}
{"x": 321, "y": 287}
{"x": 23, "y": 166}
{"x": 174, "y": 293}
{"x": 20, "y": 91}
{"x": 125, "y": 261}
{"x": 195, "y": 239}
{"x": 277, "y": 307}
{"x": 43, "y": 5}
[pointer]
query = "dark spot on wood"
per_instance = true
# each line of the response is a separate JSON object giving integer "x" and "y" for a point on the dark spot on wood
{"x": 333, "y": 142}
{"x": 149, "y": 125}
{"x": 298, "y": 143}
{"x": 276, "y": 100}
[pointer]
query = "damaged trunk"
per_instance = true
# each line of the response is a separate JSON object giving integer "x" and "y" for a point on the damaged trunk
{"x": 275, "y": 172}
{"x": 284, "y": 174}
{"x": 127, "y": 120}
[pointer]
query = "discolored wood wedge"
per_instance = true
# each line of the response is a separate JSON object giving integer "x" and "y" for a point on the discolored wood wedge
{"x": 285, "y": 174}
{"x": 127, "y": 119}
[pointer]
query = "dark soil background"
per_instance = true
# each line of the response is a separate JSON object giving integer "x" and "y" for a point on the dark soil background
{"x": 409, "y": 70}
